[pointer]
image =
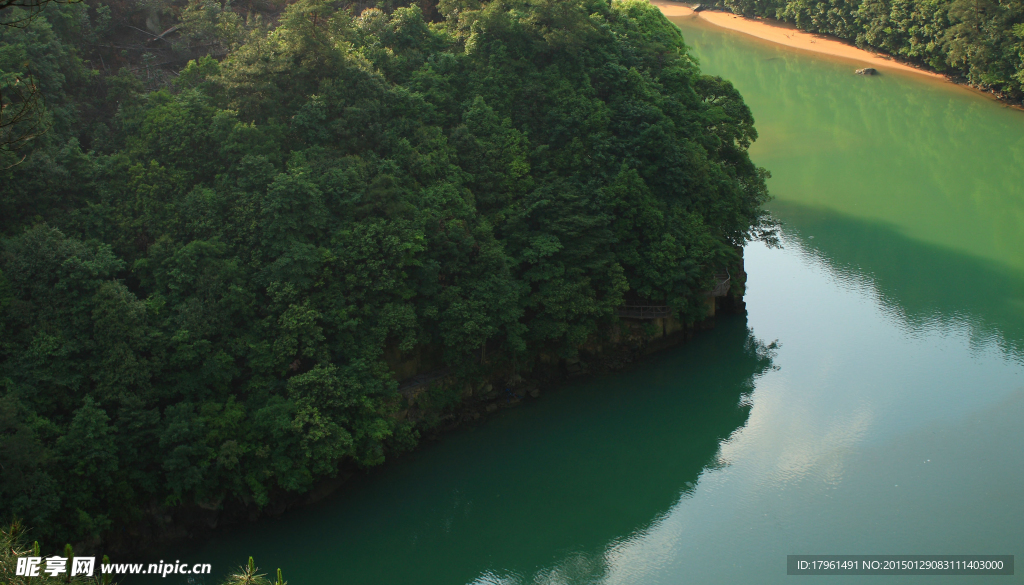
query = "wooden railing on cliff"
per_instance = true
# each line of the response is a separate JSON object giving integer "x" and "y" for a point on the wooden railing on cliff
{"x": 722, "y": 284}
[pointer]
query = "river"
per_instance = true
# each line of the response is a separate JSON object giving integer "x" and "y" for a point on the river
{"x": 886, "y": 418}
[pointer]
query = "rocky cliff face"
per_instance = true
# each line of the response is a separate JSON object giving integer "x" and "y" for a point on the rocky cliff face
{"x": 612, "y": 349}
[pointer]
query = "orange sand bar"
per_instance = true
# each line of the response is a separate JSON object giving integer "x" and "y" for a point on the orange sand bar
{"x": 785, "y": 34}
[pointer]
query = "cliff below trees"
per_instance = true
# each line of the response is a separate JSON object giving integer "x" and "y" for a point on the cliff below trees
{"x": 434, "y": 399}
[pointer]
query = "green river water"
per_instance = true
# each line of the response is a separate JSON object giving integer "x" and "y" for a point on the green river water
{"x": 889, "y": 420}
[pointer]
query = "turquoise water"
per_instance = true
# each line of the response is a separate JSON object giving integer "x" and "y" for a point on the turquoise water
{"x": 887, "y": 421}
{"x": 935, "y": 161}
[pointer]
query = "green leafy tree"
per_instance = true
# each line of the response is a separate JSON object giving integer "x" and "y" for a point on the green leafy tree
{"x": 211, "y": 300}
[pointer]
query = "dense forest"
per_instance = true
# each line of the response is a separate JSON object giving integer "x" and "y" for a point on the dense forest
{"x": 221, "y": 223}
{"x": 981, "y": 41}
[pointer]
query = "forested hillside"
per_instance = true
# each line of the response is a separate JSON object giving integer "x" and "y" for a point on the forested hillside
{"x": 981, "y": 41}
{"x": 212, "y": 249}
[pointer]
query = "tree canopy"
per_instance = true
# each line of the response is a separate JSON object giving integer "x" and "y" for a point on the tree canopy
{"x": 207, "y": 278}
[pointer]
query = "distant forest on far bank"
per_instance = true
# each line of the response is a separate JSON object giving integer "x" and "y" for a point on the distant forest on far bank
{"x": 981, "y": 41}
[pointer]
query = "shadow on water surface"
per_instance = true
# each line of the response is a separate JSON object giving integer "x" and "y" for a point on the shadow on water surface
{"x": 920, "y": 284}
{"x": 537, "y": 493}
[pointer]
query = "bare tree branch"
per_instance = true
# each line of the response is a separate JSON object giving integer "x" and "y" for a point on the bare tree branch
{"x": 22, "y": 116}
{"x": 34, "y": 7}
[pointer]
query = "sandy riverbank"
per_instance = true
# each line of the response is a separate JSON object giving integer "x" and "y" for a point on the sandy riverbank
{"x": 785, "y": 34}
